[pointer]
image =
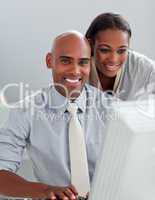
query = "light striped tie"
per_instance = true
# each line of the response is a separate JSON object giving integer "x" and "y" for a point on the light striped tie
{"x": 78, "y": 155}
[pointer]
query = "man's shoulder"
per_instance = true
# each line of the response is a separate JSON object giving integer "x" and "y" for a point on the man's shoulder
{"x": 91, "y": 89}
{"x": 36, "y": 100}
{"x": 96, "y": 96}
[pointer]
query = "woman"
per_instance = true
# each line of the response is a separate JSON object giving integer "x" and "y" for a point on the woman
{"x": 128, "y": 74}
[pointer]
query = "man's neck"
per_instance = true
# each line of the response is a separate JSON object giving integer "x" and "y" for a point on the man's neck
{"x": 71, "y": 95}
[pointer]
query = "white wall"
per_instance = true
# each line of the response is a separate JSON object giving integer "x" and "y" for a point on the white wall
{"x": 28, "y": 27}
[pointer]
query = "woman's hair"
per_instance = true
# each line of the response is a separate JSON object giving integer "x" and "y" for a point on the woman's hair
{"x": 106, "y": 21}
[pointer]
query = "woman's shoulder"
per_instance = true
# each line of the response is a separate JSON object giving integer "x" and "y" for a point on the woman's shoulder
{"x": 137, "y": 61}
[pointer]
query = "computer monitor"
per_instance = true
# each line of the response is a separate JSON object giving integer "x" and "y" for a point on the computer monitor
{"x": 126, "y": 167}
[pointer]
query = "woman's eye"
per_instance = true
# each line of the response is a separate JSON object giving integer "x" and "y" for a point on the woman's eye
{"x": 121, "y": 51}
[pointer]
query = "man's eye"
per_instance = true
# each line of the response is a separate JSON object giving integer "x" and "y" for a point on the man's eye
{"x": 122, "y": 51}
{"x": 65, "y": 61}
{"x": 104, "y": 50}
{"x": 84, "y": 62}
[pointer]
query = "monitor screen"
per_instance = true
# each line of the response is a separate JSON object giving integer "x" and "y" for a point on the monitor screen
{"x": 126, "y": 167}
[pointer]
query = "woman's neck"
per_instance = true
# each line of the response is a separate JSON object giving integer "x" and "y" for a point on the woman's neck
{"x": 107, "y": 83}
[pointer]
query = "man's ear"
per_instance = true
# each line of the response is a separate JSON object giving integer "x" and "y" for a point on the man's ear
{"x": 49, "y": 60}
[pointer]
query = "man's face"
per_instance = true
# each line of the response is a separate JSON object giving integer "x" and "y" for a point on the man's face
{"x": 70, "y": 63}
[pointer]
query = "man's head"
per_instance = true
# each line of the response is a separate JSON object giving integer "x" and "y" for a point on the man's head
{"x": 70, "y": 63}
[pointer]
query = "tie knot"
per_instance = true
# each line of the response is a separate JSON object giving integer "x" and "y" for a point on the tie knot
{"x": 72, "y": 108}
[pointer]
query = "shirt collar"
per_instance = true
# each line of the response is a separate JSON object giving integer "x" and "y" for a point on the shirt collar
{"x": 59, "y": 103}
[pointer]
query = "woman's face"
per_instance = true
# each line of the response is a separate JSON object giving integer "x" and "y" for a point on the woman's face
{"x": 111, "y": 51}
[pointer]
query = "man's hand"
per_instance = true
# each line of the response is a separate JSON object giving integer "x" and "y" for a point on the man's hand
{"x": 15, "y": 186}
{"x": 63, "y": 193}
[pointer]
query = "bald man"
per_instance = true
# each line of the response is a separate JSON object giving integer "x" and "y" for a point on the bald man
{"x": 44, "y": 132}
{"x": 70, "y": 63}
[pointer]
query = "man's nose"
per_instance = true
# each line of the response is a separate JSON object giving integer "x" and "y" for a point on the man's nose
{"x": 75, "y": 69}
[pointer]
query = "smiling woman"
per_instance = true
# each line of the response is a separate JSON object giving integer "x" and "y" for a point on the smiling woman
{"x": 128, "y": 74}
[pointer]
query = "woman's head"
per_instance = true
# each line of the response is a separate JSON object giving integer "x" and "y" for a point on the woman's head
{"x": 109, "y": 35}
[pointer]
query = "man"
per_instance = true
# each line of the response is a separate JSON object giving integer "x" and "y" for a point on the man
{"x": 44, "y": 132}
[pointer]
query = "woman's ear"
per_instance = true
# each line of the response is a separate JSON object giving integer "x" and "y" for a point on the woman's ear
{"x": 49, "y": 60}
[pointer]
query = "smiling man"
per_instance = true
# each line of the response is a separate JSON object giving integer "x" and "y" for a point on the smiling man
{"x": 45, "y": 131}
{"x": 70, "y": 68}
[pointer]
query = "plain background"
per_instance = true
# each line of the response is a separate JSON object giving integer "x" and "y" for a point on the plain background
{"x": 27, "y": 28}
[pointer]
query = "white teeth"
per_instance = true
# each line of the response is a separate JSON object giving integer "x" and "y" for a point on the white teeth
{"x": 112, "y": 65}
{"x": 72, "y": 81}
